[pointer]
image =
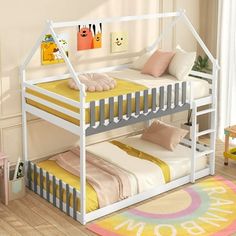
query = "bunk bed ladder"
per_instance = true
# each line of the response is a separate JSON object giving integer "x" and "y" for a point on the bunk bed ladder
{"x": 194, "y": 136}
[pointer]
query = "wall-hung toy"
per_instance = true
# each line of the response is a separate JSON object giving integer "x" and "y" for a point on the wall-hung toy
{"x": 97, "y": 38}
{"x": 119, "y": 41}
{"x": 89, "y": 36}
{"x": 50, "y": 53}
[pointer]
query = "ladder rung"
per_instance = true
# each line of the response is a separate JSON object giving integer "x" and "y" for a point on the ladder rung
{"x": 203, "y": 101}
{"x": 207, "y": 152}
{"x": 199, "y": 113}
{"x": 208, "y": 131}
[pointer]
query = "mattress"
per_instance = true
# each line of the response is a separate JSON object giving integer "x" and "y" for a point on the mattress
{"x": 147, "y": 174}
{"x": 200, "y": 87}
{"x": 128, "y": 81}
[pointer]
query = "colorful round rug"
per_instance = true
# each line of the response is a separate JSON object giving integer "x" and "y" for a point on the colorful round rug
{"x": 205, "y": 208}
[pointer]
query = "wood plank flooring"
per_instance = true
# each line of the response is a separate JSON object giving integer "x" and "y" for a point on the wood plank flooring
{"x": 33, "y": 216}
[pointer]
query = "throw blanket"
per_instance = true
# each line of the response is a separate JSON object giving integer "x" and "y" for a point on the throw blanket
{"x": 110, "y": 182}
{"x": 145, "y": 174}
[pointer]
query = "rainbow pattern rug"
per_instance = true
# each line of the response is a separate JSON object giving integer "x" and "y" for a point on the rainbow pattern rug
{"x": 205, "y": 208}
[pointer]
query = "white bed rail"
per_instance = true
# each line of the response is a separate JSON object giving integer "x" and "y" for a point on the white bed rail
{"x": 123, "y": 110}
{"x": 54, "y": 190}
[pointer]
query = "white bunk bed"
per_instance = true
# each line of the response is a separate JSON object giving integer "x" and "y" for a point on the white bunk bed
{"x": 156, "y": 102}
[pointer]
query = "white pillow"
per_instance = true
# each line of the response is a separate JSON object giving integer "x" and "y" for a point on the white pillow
{"x": 141, "y": 61}
{"x": 181, "y": 64}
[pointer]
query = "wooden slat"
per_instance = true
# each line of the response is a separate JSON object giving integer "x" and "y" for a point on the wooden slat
{"x": 47, "y": 185}
{"x": 102, "y": 111}
{"x": 41, "y": 181}
{"x": 60, "y": 195}
{"x": 129, "y": 104}
{"x": 67, "y": 200}
{"x": 169, "y": 96}
{"x": 111, "y": 109}
{"x": 145, "y": 101}
{"x": 176, "y": 94}
{"x": 35, "y": 178}
{"x": 184, "y": 90}
{"x": 29, "y": 175}
{"x": 154, "y": 99}
{"x": 54, "y": 190}
{"x": 74, "y": 204}
{"x": 137, "y": 103}
{"x": 92, "y": 113}
{"x": 120, "y": 107}
{"x": 161, "y": 97}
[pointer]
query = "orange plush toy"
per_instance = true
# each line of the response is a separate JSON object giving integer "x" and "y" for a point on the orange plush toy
{"x": 84, "y": 38}
{"x": 97, "y": 39}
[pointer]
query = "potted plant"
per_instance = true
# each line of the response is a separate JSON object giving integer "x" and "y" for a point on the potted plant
{"x": 201, "y": 65}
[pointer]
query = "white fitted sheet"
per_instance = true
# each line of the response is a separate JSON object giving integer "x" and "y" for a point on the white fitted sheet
{"x": 147, "y": 174}
{"x": 179, "y": 160}
{"x": 200, "y": 87}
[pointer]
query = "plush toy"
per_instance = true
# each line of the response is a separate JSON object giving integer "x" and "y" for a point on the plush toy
{"x": 94, "y": 82}
{"x": 84, "y": 38}
{"x": 97, "y": 39}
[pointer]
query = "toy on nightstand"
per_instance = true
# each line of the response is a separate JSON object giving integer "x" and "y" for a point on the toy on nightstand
{"x": 229, "y": 153}
{"x": 4, "y": 178}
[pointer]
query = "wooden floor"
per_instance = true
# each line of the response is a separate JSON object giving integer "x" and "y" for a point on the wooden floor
{"x": 32, "y": 215}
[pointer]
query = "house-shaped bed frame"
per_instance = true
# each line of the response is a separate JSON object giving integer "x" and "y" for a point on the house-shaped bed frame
{"x": 182, "y": 101}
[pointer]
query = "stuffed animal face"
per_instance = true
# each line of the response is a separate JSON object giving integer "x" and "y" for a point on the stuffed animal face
{"x": 97, "y": 39}
{"x": 84, "y": 38}
{"x": 48, "y": 50}
{"x": 119, "y": 41}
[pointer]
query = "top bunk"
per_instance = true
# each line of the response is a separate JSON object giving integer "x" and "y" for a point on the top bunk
{"x": 137, "y": 96}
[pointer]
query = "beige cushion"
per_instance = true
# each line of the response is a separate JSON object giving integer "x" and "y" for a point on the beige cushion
{"x": 140, "y": 62}
{"x": 164, "y": 135}
{"x": 181, "y": 64}
{"x": 157, "y": 63}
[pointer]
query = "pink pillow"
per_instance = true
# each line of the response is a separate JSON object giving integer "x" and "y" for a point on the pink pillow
{"x": 164, "y": 135}
{"x": 158, "y": 63}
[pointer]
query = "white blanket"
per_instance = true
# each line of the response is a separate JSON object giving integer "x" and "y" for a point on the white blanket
{"x": 148, "y": 175}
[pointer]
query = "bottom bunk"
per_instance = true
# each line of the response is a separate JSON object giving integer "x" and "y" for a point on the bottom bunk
{"x": 119, "y": 173}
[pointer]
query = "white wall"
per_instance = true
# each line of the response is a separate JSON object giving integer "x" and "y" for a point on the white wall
{"x": 21, "y": 23}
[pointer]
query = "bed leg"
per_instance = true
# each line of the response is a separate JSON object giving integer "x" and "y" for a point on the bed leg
{"x": 25, "y": 142}
{"x": 82, "y": 141}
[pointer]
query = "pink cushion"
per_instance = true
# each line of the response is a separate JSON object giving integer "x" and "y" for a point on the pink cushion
{"x": 158, "y": 63}
{"x": 164, "y": 135}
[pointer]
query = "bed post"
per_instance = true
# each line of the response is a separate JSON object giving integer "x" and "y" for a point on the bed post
{"x": 24, "y": 125}
{"x": 194, "y": 143}
{"x": 22, "y": 74}
{"x": 216, "y": 67}
{"x": 81, "y": 126}
{"x": 213, "y": 119}
{"x": 82, "y": 160}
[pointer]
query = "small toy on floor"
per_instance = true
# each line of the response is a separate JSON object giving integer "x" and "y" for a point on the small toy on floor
{"x": 229, "y": 153}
